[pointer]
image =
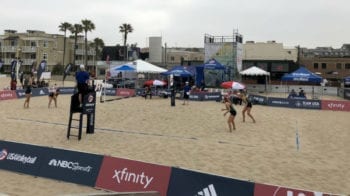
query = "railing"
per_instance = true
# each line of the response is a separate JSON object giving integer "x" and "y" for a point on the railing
{"x": 9, "y": 49}
{"x": 29, "y": 48}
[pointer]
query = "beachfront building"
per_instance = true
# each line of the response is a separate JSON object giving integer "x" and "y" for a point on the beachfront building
{"x": 331, "y": 64}
{"x": 270, "y": 56}
{"x": 33, "y": 46}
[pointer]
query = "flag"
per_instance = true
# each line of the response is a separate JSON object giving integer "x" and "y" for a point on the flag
{"x": 66, "y": 71}
{"x": 41, "y": 69}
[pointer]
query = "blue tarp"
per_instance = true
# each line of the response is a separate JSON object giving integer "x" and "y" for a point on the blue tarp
{"x": 302, "y": 75}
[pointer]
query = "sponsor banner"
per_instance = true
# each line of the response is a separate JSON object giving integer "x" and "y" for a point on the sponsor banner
{"x": 89, "y": 103}
{"x": 336, "y": 105}
{"x": 347, "y": 94}
{"x": 205, "y": 96}
{"x": 20, "y": 93}
{"x": 110, "y": 92}
{"x": 6, "y": 95}
{"x": 294, "y": 103}
{"x": 70, "y": 166}
{"x": 122, "y": 175}
{"x": 23, "y": 158}
{"x": 125, "y": 92}
{"x": 257, "y": 99}
{"x": 307, "y": 104}
{"x": 40, "y": 92}
{"x": 269, "y": 190}
{"x": 67, "y": 90}
{"x": 280, "y": 102}
{"x": 186, "y": 182}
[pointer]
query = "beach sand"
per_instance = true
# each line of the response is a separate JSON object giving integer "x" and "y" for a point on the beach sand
{"x": 194, "y": 137}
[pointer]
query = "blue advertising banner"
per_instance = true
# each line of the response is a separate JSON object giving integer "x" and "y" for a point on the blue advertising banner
{"x": 23, "y": 158}
{"x": 347, "y": 94}
{"x": 76, "y": 167}
{"x": 186, "y": 182}
{"x": 205, "y": 96}
{"x": 257, "y": 99}
{"x": 35, "y": 92}
{"x": 294, "y": 103}
{"x": 67, "y": 90}
{"x": 111, "y": 91}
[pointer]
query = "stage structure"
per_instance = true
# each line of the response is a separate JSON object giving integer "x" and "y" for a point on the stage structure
{"x": 228, "y": 50}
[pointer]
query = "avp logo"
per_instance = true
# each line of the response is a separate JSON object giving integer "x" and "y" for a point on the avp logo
{"x": 42, "y": 92}
{"x": 3, "y": 154}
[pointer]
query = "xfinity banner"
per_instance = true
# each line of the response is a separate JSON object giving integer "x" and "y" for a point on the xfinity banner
{"x": 70, "y": 166}
{"x": 269, "y": 190}
{"x": 7, "y": 94}
{"x": 23, "y": 158}
{"x": 123, "y": 175}
{"x": 186, "y": 182}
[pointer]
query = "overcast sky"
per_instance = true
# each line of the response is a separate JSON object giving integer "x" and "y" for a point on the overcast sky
{"x": 183, "y": 23}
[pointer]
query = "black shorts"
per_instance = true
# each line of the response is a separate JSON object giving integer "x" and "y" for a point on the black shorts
{"x": 249, "y": 105}
{"x": 186, "y": 96}
{"x": 233, "y": 112}
{"x": 28, "y": 91}
{"x": 51, "y": 94}
{"x": 82, "y": 88}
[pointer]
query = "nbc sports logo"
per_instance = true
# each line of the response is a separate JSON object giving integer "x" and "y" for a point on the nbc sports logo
{"x": 208, "y": 191}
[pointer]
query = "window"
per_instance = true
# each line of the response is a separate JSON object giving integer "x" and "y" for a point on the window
{"x": 324, "y": 65}
{"x": 172, "y": 58}
{"x": 45, "y": 44}
{"x": 315, "y": 65}
{"x": 338, "y": 65}
{"x": 32, "y": 44}
{"x": 13, "y": 43}
{"x": 347, "y": 66}
{"x": 33, "y": 56}
{"x": 45, "y": 56}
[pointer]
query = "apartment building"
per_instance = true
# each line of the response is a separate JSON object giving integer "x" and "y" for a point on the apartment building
{"x": 33, "y": 46}
{"x": 331, "y": 64}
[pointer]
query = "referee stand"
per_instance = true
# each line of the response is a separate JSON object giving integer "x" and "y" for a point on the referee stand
{"x": 77, "y": 113}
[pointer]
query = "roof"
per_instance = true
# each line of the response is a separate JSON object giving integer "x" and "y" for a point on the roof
{"x": 254, "y": 71}
{"x": 145, "y": 67}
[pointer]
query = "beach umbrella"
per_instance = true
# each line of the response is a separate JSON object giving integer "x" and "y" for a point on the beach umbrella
{"x": 233, "y": 85}
{"x": 155, "y": 83}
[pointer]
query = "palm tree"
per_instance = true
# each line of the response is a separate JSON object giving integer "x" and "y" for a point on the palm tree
{"x": 75, "y": 30}
{"x": 98, "y": 45}
{"x": 64, "y": 27}
{"x": 87, "y": 26}
{"x": 125, "y": 29}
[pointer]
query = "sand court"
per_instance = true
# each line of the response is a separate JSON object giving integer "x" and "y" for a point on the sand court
{"x": 193, "y": 136}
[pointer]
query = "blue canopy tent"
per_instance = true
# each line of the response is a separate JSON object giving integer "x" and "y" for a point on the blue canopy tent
{"x": 303, "y": 75}
{"x": 178, "y": 71}
{"x": 210, "y": 72}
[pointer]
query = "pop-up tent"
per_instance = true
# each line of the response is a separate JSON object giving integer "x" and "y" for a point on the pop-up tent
{"x": 211, "y": 72}
{"x": 302, "y": 75}
{"x": 256, "y": 71}
{"x": 145, "y": 67}
{"x": 179, "y": 71}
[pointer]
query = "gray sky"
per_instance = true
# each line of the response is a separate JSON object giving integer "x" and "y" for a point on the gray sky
{"x": 183, "y": 23}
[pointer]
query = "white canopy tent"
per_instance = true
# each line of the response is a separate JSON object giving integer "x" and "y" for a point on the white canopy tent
{"x": 145, "y": 67}
{"x": 256, "y": 71}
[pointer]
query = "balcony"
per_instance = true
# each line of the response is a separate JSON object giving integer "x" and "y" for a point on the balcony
{"x": 9, "y": 49}
{"x": 29, "y": 49}
{"x": 79, "y": 62}
{"x": 81, "y": 52}
{"x": 7, "y": 61}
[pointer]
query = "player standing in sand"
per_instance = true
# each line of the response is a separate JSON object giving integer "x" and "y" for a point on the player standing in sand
{"x": 230, "y": 109}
